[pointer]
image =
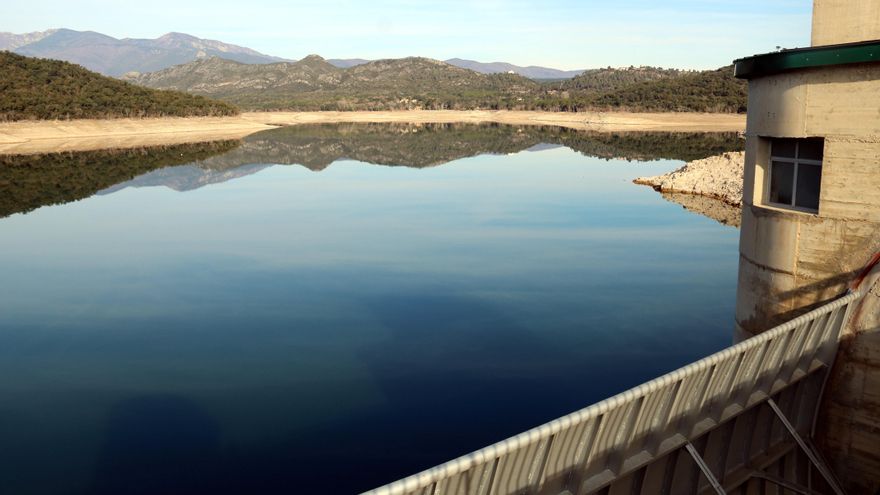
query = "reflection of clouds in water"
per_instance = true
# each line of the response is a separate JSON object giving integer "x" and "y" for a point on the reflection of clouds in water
{"x": 291, "y": 321}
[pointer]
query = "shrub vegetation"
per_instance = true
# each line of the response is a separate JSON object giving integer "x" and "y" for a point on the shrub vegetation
{"x": 32, "y": 88}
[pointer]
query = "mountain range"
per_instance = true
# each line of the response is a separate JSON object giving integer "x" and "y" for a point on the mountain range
{"x": 314, "y": 84}
{"x": 255, "y": 81}
{"x": 531, "y": 72}
{"x": 420, "y": 83}
{"x": 11, "y": 41}
{"x": 345, "y": 63}
{"x": 115, "y": 57}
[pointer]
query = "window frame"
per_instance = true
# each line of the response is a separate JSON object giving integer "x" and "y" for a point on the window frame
{"x": 796, "y": 161}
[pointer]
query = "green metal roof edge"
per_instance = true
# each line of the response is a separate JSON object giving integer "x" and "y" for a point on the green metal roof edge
{"x": 803, "y": 58}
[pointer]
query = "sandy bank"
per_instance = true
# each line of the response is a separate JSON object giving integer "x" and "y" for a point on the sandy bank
{"x": 82, "y": 135}
{"x": 719, "y": 177}
{"x": 608, "y": 121}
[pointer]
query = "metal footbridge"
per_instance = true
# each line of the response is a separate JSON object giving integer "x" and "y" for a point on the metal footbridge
{"x": 736, "y": 422}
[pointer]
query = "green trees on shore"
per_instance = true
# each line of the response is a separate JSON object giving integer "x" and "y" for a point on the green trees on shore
{"x": 32, "y": 88}
{"x": 411, "y": 83}
{"x": 715, "y": 91}
{"x": 707, "y": 91}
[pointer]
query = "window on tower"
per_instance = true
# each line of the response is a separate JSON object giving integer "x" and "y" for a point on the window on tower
{"x": 795, "y": 173}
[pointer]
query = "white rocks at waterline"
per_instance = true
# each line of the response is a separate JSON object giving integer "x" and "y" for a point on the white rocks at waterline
{"x": 719, "y": 177}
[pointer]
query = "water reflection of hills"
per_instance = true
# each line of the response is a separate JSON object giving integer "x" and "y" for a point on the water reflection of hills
{"x": 424, "y": 145}
{"x": 186, "y": 177}
{"x": 28, "y": 182}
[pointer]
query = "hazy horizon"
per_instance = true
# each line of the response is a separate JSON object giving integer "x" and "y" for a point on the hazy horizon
{"x": 562, "y": 34}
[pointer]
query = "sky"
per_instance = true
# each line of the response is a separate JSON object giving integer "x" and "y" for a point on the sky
{"x": 565, "y": 34}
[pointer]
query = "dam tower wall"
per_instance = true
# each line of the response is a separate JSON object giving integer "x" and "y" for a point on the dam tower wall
{"x": 811, "y": 213}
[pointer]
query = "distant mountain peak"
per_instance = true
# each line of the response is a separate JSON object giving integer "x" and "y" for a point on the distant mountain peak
{"x": 115, "y": 57}
{"x": 414, "y": 60}
{"x": 426, "y": 59}
{"x": 345, "y": 63}
{"x": 11, "y": 41}
{"x": 531, "y": 72}
{"x": 404, "y": 80}
{"x": 176, "y": 35}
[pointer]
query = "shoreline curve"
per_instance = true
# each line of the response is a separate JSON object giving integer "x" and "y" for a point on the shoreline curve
{"x": 31, "y": 137}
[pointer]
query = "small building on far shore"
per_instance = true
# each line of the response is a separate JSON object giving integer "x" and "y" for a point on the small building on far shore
{"x": 811, "y": 213}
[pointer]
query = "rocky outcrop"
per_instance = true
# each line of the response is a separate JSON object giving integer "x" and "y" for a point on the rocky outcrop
{"x": 719, "y": 177}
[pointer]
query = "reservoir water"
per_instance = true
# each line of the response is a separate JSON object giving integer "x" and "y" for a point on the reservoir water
{"x": 329, "y": 308}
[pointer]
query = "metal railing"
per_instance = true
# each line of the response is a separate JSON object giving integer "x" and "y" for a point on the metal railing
{"x": 595, "y": 447}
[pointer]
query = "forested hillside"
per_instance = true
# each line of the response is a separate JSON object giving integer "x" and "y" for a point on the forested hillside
{"x": 32, "y": 88}
{"x": 421, "y": 83}
{"x": 314, "y": 84}
{"x": 48, "y": 89}
{"x": 707, "y": 91}
{"x": 610, "y": 79}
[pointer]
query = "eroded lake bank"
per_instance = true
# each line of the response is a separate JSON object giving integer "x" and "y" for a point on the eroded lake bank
{"x": 86, "y": 135}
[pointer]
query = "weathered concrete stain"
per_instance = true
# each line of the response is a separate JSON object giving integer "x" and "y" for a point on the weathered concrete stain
{"x": 793, "y": 261}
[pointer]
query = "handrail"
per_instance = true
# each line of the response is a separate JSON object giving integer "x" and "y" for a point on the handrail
{"x": 869, "y": 267}
{"x": 719, "y": 376}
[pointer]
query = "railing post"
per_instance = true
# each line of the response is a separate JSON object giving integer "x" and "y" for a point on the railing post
{"x": 705, "y": 469}
{"x": 824, "y": 470}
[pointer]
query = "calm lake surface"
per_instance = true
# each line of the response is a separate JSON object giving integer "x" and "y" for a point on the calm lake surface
{"x": 217, "y": 319}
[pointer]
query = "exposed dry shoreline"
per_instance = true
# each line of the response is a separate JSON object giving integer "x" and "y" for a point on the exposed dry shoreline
{"x": 719, "y": 177}
{"x": 82, "y": 135}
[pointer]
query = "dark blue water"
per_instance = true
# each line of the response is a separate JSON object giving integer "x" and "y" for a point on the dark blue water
{"x": 290, "y": 331}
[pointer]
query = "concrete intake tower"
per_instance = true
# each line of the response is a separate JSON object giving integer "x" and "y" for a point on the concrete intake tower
{"x": 811, "y": 214}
